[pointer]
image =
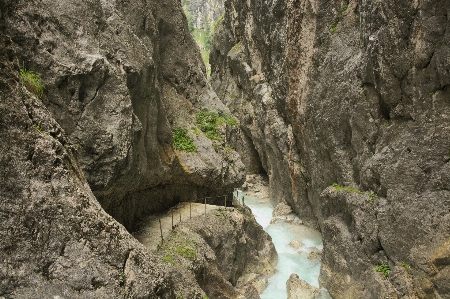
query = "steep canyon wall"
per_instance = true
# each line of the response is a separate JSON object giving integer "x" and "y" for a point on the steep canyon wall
{"x": 203, "y": 14}
{"x": 355, "y": 94}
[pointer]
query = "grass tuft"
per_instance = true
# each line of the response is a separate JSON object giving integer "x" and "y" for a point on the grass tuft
{"x": 32, "y": 82}
{"x": 350, "y": 189}
{"x": 333, "y": 28}
{"x": 384, "y": 269}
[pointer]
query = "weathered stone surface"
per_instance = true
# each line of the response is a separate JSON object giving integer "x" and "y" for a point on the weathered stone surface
{"x": 355, "y": 93}
{"x": 204, "y": 13}
{"x": 120, "y": 76}
{"x": 282, "y": 209}
{"x": 113, "y": 70}
{"x": 55, "y": 239}
{"x": 299, "y": 289}
{"x": 315, "y": 254}
{"x": 217, "y": 250}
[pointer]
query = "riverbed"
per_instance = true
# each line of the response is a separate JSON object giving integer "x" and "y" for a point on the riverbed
{"x": 293, "y": 241}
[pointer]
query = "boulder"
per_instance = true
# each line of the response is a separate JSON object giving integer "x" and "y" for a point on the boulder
{"x": 282, "y": 209}
{"x": 299, "y": 289}
{"x": 315, "y": 254}
{"x": 296, "y": 244}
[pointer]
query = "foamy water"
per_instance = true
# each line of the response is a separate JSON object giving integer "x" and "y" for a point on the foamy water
{"x": 290, "y": 260}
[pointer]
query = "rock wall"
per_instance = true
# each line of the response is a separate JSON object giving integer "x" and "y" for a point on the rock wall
{"x": 247, "y": 74}
{"x": 354, "y": 93}
{"x": 227, "y": 253}
{"x": 204, "y": 12}
{"x": 120, "y": 77}
{"x": 55, "y": 239}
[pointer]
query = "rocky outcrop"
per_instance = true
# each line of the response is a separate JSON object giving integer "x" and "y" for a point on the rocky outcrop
{"x": 281, "y": 209}
{"x": 120, "y": 77}
{"x": 299, "y": 289}
{"x": 247, "y": 74}
{"x": 354, "y": 93}
{"x": 216, "y": 250}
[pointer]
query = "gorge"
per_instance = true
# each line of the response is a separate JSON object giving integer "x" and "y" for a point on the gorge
{"x": 343, "y": 105}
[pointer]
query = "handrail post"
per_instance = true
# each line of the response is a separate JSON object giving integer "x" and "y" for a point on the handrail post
{"x": 160, "y": 228}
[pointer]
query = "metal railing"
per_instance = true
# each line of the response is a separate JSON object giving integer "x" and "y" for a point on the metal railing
{"x": 238, "y": 198}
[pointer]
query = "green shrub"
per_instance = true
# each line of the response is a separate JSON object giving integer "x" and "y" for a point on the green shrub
{"x": 182, "y": 250}
{"x": 123, "y": 276}
{"x": 182, "y": 140}
{"x": 32, "y": 82}
{"x": 344, "y": 7}
{"x": 384, "y": 269}
{"x": 186, "y": 252}
{"x": 179, "y": 244}
{"x": 195, "y": 131}
{"x": 333, "y": 28}
{"x": 347, "y": 188}
{"x": 406, "y": 266}
{"x": 209, "y": 122}
{"x": 237, "y": 47}
{"x": 169, "y": 259}
{"x": 39, "y": 128}
{"x": 217, "y": 23}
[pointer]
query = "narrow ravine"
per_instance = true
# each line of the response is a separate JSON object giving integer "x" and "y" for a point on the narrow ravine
{"x": 299, "y": 247}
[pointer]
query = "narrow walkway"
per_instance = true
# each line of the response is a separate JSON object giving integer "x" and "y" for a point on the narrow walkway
{"x": 150, "y": 234}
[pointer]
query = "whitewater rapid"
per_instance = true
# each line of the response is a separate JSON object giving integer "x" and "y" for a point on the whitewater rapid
{"x": 290, "y": 259}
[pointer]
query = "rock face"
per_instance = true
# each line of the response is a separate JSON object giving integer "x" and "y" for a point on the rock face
{"x": 204, "y": 12}
{"x": 55, "y": 239}
{"x": 299, "y": 289}
{"x": 354, "y": 93}
{"x": 120, "y": 77}
{"x": 281, "y": 209}
{"x": 214, "y": 252}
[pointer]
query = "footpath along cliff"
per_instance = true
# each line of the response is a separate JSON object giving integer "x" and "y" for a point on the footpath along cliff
{"x": 346, "y": 106}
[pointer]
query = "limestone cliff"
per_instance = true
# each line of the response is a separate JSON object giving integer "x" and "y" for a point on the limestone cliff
{"x": 203, "y": 13}
{"x": 355, "y": 94}
{"x": 55, "y": 239}
{"x": 120, "y": 77}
